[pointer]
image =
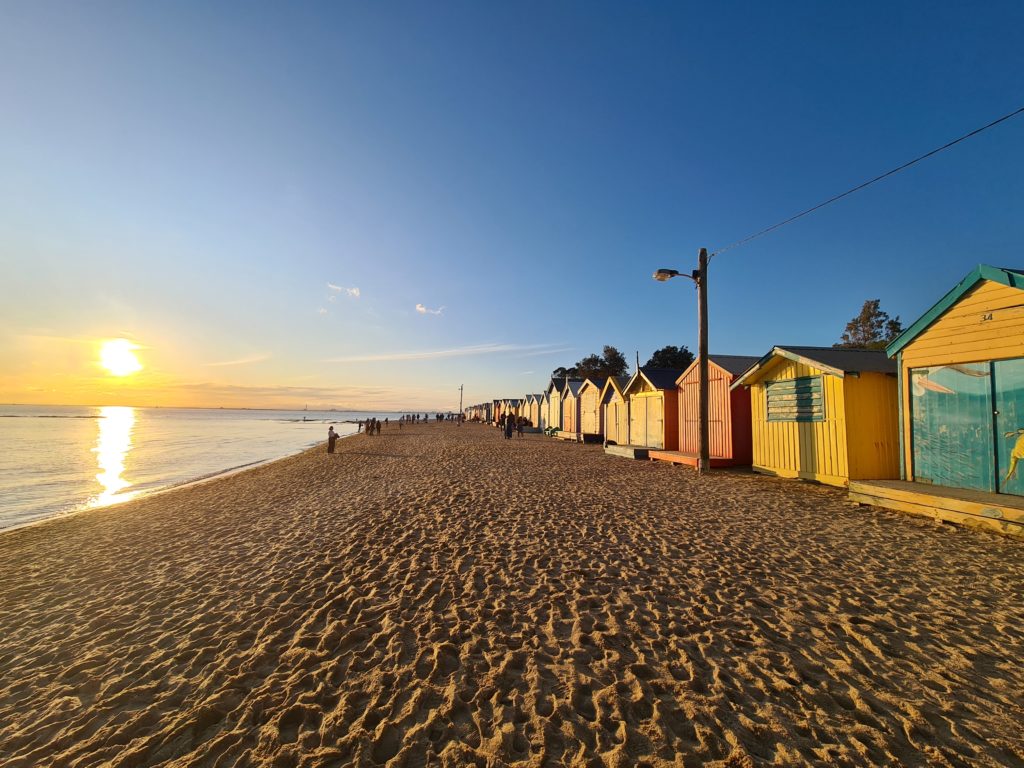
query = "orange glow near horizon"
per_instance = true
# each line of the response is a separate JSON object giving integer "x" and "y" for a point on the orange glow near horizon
{"x": 117, "y": 356}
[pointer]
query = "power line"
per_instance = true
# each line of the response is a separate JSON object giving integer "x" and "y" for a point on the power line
{"x": 868, "y": 183}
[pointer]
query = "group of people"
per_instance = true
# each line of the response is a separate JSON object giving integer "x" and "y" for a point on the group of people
{"x": 372, "y": 426}
{"x": 508, "y": 423}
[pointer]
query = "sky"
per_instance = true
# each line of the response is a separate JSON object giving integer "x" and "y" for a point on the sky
{"x": 367, "y": 205}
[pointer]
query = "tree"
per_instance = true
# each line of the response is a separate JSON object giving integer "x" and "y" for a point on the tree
{"x": 561, "y": 372}
{"x": 610, "y": 362}
{"x": 670, "y": 357}
{"x": 871, "y": 329}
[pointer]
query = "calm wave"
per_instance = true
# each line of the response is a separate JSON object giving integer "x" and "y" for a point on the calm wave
{"x": 61, "y": 459}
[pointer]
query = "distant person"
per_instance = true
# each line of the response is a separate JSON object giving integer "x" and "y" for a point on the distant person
{"x": 332, "y": 438}
{"x": 509, "y": 426}
{"x": 377, "y": 425}
{"x": 519, "y": 426}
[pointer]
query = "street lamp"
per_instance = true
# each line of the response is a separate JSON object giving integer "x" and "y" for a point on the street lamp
{"x": 700, "y": 277}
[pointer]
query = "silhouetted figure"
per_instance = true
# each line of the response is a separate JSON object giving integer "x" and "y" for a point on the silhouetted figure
{"x": 332, "y": 438}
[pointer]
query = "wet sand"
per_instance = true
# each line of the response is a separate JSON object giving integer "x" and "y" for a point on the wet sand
{"x": 441, "y": 596}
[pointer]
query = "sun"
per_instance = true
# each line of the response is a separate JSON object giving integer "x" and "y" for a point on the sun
{"x": 118, "y": 357}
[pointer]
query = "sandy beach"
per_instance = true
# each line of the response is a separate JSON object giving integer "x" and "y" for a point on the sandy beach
{"x": 441, "y": 596}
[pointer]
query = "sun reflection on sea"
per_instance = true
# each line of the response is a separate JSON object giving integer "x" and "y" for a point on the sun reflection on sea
{"x": 112, "y": 446}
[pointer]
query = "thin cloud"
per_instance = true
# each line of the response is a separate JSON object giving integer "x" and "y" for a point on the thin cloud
{"x": 427, "y": 311}
{"x": 240, "y": 361}
{"x": 439, "y": 354}
{"x": 551, "y": 351}
{"x": 353, "y": 292}
{"x": 321, "y": 311}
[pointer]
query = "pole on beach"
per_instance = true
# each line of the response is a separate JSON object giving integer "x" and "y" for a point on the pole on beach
{"x": 700, "y": 278}
{"x": 704, "y": 462}
{"x": 459, "y": 419}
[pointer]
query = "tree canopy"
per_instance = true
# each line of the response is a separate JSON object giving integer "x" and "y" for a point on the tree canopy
{"x": 871, "y": 329}
{"x": 610, "y": 362}
{"x": 670, "y": 357}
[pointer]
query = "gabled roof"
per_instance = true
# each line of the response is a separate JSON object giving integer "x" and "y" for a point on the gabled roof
{"x": 557, "y": 385}
{"x": 572, "y": 386}
{"x": 837, "y": 361}
{"x": 534, "y": 398}
{"x": 617, "y": 383}
{"x": 733, "y": 364}
{"x": 1013, "y": 278}
{"x": 594, "y": 382}
{"x": 659, "y": 378}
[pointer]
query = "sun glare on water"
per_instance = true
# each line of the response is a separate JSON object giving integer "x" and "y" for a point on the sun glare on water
{"x": 118, "y": 357}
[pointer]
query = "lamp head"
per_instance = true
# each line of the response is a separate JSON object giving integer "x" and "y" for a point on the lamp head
{"x": 664, "y": 275}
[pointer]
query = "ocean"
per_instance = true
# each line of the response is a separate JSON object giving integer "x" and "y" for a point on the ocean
{"x": 55, "y": 460}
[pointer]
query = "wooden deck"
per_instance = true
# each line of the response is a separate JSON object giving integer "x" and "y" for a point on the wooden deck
{"x": 567, "y": 436}
{"x": 690, "y": 459}
{"x": 627, "y": 451}
{"x": 992, "y": 511}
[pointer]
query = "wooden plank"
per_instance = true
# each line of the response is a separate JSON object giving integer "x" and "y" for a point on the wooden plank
{"x": 1010, "y": 508}
{"x": 940, "y": 513}
{"x": 813, "y": 477}
{"x": 689, "y": 459}
{"x": 627, "y": 451}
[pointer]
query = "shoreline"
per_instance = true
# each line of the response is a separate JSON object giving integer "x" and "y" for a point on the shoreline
{"x": 441, "y": 596}
{"x": 165, "y": 489}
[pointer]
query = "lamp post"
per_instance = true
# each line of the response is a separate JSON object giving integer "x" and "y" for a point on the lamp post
{"x": 700, "y": 278}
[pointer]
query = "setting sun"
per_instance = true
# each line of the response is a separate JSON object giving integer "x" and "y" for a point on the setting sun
{"x": 118, "y": 357}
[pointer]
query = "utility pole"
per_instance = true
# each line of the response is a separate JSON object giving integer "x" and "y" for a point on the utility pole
{"x": 700, "y": 278}
{"x": 704, "y": 461}
{"x": 458, "y": 419}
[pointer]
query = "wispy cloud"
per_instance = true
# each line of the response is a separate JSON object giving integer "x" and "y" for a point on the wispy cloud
{"x": 354, "y": 292}
{"x": 516, "y": 350}
{"x": 427, "y": 311}
{"x": 241, "y": 361}
{"x": 551, "y": 350}
{"x": 321, "y": 311}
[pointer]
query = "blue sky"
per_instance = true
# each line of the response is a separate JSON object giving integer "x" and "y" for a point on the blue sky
{"x": 192, "y": 176}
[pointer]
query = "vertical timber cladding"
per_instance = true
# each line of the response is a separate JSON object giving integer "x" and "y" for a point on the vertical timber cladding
{"x": 569, "y": 411}
{"x": 799, "y": 422}
{"x": 616, "y": 423}
{"x": 590, "y": 414}
{"x": 647, "y": 419}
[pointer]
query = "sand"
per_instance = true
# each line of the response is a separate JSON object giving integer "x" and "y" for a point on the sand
{"x": 441, "y": 596}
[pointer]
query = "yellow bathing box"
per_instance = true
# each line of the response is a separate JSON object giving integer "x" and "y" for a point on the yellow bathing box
{"x": 824, "y": 414}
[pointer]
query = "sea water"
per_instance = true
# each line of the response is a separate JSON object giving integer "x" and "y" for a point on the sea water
{"x": 55, "y": 460}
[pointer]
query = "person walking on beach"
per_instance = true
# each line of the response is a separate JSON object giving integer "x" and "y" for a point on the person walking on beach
{"x": 519, "y": 426}
{"x": 509, "y": 426}
{"x": 377, "y": 425}
{"x": 332, "y": 438}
